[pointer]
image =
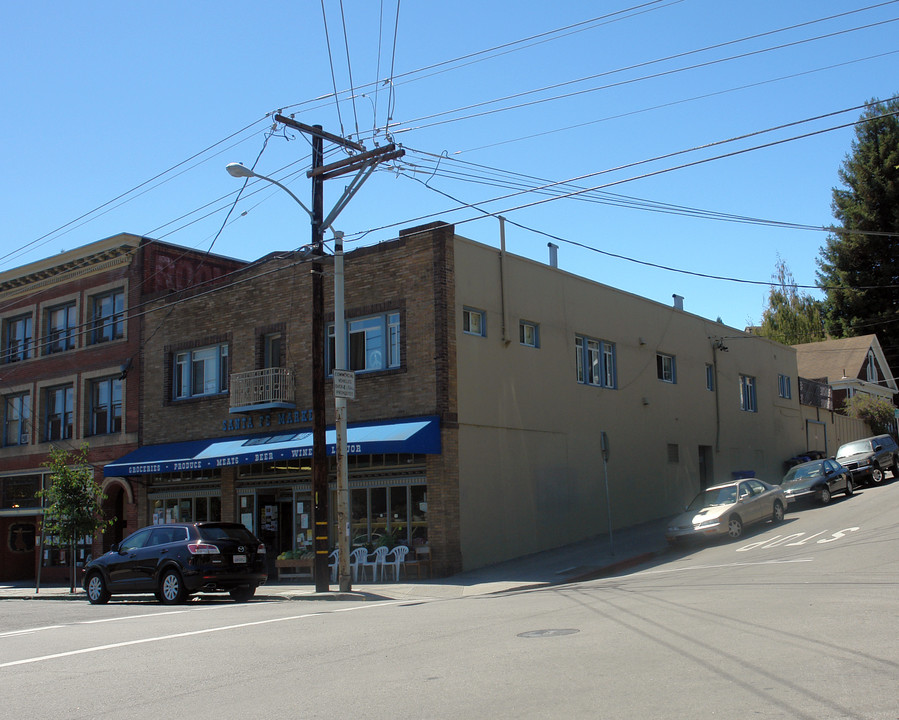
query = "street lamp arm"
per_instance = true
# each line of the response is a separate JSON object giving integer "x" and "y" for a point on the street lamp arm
{"x": 242, "y": 171}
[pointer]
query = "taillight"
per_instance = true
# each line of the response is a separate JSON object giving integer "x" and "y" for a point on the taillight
{"x": 202, "y": 548}
{"x": 261, "y": 549}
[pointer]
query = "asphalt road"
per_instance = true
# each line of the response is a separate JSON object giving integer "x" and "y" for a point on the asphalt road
{"x": 796, "y": 620}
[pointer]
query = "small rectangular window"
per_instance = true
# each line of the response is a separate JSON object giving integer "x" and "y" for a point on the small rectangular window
{"x": 784, "y": 389}
{"x": 665, "y": 368}
{"x": 747, "y": 394}
{"x": 16, "y": 419}
{"x": 373, "y": 343}
{"x": 673, "y": 453}
{"x": 106, "y": 406}
{"x": 62, "y": 328}
{"x": 107, "y": 317}
{"x": 527, "y": 334}
{"x": 709, "y": 377}
{"x": 18, "y": 342}
{"x": 59, "y": 413}
{"x": 474, "y": 322}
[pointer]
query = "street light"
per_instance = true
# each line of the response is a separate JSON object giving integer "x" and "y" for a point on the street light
{"x": 319, "y": 451}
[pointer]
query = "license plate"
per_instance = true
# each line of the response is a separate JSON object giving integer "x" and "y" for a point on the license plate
{"x": 239, "y": 559}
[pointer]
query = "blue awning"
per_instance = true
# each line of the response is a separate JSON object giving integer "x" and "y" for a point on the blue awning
{"x": 417, "y": 435}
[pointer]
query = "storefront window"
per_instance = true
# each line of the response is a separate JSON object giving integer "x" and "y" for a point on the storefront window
{"x": 19, "y": 491}
{"x": 406, "y": 520}
{"x": 186, "y": 509}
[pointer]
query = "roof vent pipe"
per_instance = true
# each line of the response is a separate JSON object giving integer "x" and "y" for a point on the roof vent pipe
{"x": 553, "y": 254}
{"x": 678, "y": 302}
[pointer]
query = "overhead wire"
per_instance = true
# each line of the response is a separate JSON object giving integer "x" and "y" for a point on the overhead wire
{"x": 652, "y": 76}
{"x": 349, "y": 66}
{"x": 331, "y": 62}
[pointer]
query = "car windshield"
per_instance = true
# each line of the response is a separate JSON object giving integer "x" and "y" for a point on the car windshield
{"x": 803, "y": 471}
{"x": 714, "y": 496}
{"x": 854, "y": 448}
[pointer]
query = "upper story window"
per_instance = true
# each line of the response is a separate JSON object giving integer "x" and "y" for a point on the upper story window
{"x": 474, "y": 322}
{"x": 871, "y": 369}
{"x": 595, "y": 361}
{"x": 106, "y": 406}
{"x": 709, "y": 376}
{"x": 203, "y": 371}
{"x": 271, "y": 350}
{"x": 59, "y": 412}
{"x": 18, "y": 340}
{"x": 747, "y": 394}
{"x": 528, "y": 335}
{"x": 784, "y": 389}
{"x": 665, "y": 368}
{"x": 62, "y": 328}
{"x": 373, "y": 343}
{"x": 16, "y": 419}
{"x": 107, "y": 317}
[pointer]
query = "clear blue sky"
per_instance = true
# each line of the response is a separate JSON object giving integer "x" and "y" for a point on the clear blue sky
{"x": 101, "y": 97}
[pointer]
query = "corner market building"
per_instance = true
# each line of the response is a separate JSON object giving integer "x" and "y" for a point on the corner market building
{"x": 483, "y": 383}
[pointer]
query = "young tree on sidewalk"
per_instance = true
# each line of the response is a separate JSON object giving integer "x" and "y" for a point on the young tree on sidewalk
{"x": 72, "y": 502}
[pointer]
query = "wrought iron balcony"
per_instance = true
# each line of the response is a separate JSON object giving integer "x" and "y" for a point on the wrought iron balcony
{"x": 261, "y": 390}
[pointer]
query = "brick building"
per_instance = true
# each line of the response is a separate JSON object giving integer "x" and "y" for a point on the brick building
{"x": 483, "y": 384}
{"x": 70, "y": 364}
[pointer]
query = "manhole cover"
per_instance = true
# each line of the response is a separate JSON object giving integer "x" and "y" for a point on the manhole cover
{"x": 547, "y": 633}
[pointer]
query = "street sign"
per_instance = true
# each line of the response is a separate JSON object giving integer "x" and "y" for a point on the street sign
{"x": 345, "y": 384}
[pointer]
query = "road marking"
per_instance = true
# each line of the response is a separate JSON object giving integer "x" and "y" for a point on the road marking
{"x": 718, "y": 567}
{"x": 128, "y": 617}
{"x": 175, "y": 636}
{"x": 29, "y": 631}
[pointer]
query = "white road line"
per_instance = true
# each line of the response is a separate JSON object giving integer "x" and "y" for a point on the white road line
{"x": 112, "y": 646}
{"x": 717, "y": 567}
{"x": 28, "y": 631}
{"x": 129, "y": 617}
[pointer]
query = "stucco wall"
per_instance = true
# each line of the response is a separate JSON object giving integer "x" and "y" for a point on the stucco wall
{"x": 531, "y": 473}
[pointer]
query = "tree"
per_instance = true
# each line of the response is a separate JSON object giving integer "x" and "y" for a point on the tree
{"x": 876, "y": 411}
{"x": 72, "y": 501}
{"x": 859, "y": 266}
{"x": 791, "y": 318}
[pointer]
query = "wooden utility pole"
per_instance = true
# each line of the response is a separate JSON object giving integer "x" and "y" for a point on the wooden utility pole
{"x": 363, "y": 164}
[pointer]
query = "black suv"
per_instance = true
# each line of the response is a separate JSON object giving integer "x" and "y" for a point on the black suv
{"x": 867, "y": 459}
{"x": 177, "y": 560}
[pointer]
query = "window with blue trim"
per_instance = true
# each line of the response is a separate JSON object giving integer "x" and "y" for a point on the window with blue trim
{"x": 373, "y": 343}
{"x": 595, "y": 361}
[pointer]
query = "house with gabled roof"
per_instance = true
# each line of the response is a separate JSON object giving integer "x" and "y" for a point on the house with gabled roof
{"x": 849, "y": 366}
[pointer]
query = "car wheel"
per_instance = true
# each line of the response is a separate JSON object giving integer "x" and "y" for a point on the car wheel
{"x": 97, "y": 594}
{"x": 849, "y": 488}
{"x": 242, "y": 594}
{"x": 778, "y": 514}
{"x": 171, "y": 588}
{"x": 876, "y": 475}
{"x": 825, "y": 495}
{"x": 734, "y": 527}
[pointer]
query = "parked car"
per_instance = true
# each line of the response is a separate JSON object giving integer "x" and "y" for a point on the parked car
{"x": 867, "y": 459}
{"x": 819, "y": 479}
{"x": 177, "y": 560}
{"x": 726, "y": 509}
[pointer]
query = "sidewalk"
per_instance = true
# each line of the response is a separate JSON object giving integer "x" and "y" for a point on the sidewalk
{"x": 586, "y": 560}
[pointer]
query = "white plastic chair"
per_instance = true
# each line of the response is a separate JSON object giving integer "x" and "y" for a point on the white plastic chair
{"x": 375, "y": 561}
{"x": 333, "y": 559}
{"x": 395, "y": 559}
{"x": 357, "y": 560}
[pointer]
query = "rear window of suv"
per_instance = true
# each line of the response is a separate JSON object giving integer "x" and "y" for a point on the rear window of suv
{"x": 220, "y": 532}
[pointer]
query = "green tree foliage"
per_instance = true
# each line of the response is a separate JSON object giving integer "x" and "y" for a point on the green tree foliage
{"x": 791, "y": 318}
{"x": 859, "y": 266}
{"x": 72, "y": 501}
{"x": 876, "y": 411}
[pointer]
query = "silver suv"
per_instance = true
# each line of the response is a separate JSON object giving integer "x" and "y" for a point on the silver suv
{"x": 867, "y": 459}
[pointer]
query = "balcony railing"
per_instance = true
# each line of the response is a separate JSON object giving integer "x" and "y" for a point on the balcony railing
{"x": 260, "y": 389}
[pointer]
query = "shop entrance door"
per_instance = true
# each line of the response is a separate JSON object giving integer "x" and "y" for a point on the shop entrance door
{"x": 275, "y": 523}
